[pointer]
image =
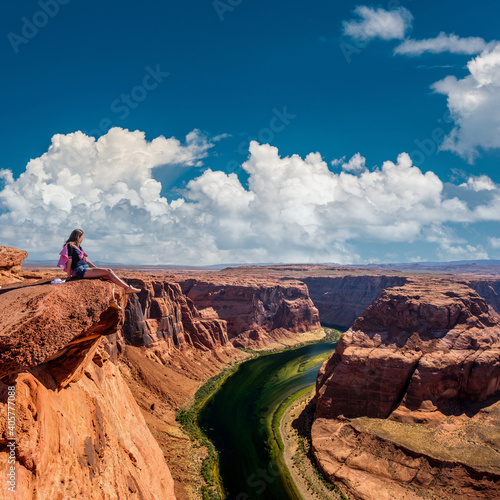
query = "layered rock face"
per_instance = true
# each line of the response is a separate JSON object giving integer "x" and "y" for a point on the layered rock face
{"x": 372, "y": 460}
{"x": 11, "y": 260}
{"x": 159, "y": 345}
{"x": 161, "y": 313}
{"x": 89, "y": 440}
{"x": 489, "y": 288}
{"x": 408, "y": 404}
{"x": 342, "y": 299}
{"x": 62, "y": 324}
{"x": 166, "y": 350}
{"x": 420, "y": 346}
{"x": 76, "y": 428}
{"x": 257, "y": 311}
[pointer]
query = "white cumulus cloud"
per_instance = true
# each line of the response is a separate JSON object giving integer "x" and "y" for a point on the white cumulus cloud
{"x": 442, "y": 43}
{"x": 461, "y": 252}
{"x": 105, "y": 184}
{"x": 474, "y": 104}
{"x": 479, "y": 183}
{"x": 378, "y": 23}
{"x": 355, "y": 164}
{"x": 292, "y": 209}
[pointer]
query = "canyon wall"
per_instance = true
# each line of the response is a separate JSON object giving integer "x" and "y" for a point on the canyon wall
{"x": 341, "y": 299}
{"x": 408, "y": 403}
{"x": 67, "y": 416}
{"x": 489, "y": 288}
{"x": 165, "y": 351}
{"x": 111, "y": 381}
{"x": 257, "y": 311}
{"x": 118, "y": 373}
{"x": 161, "y": 313}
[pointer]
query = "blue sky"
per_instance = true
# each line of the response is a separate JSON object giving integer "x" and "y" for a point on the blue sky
{"x": 201, "y": 80}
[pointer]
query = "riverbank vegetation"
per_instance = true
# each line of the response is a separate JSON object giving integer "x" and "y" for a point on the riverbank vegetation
{"x": 188, "y": 418}
{"x": 295, "y": 430}
{"x": 252, "y": 408}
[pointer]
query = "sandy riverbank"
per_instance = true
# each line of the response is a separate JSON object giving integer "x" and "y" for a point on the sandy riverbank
{"x": 294, "y": 429}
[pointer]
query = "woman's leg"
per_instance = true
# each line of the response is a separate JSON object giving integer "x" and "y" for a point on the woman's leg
{"x": 99, "y": 272}
{"x": 113, "y": 302}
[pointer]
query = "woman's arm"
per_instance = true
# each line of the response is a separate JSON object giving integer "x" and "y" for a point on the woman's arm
{"x": 68, "y": 268}
{"x": 89, "y": 263}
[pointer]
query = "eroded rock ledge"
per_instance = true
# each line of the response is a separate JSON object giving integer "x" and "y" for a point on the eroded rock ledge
{"x": 408, "y": 403}
{"x": 79, "y": 432}
{"x": 11, "y": 260}
{"x": 161, "y": 313}
{"x": 60, "y": 324}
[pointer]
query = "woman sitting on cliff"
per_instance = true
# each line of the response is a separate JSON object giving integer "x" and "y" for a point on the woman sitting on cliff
{"x": 76, "y": 263}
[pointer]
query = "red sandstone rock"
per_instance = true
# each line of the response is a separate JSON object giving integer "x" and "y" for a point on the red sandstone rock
{"x": 342, "y": 299}
{"x": 161, "y": 313}
{"x": 342, "y": 294}
{"x": 89, "y": 439}
{"x": 11, "y": 260}
{"x": 489, "y": 288}
{"x": 257, "y": 311}
{"x": 425, "y": 357}
{"x": 43, "y": 322}
{"x": 371, "y": 466}
{"x": 417, "y": 343}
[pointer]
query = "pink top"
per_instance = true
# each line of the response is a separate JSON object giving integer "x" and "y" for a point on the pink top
{"x": 64, "y": 257}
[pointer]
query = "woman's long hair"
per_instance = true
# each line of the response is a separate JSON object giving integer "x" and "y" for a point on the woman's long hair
{"x": 74, "y": 237}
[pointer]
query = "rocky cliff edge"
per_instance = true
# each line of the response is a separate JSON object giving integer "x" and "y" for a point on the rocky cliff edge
{"x": 11, "y": 260}
{"x": 67, "y": 417}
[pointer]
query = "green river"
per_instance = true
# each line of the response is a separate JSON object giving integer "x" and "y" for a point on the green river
{"x": 238, "y": 419}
